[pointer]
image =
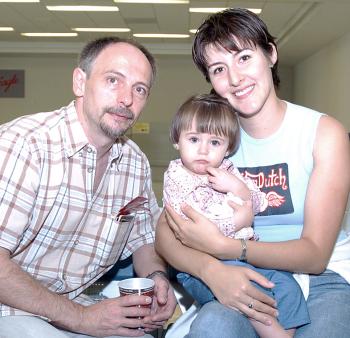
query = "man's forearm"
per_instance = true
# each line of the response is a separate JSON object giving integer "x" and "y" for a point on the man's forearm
{"x": 178, "y": 255}
{"x": 19, "y": 290}
{"x": 146, "y": 261}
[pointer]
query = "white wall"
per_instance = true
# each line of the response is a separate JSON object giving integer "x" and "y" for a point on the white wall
{"x": 287, "y": 82}
{"x": 48, "y": 83}
{"x": 322, "y": 80}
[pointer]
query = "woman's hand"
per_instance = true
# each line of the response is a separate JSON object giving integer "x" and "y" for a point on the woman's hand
{"x": 197, "y": 232}
{"x": 232, "y": 287}
{"x": 230, "y": 284}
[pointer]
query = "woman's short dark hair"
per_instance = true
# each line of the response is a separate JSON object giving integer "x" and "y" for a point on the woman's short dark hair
{"x": 232, "y": 29}
{"x": 212, "y": 114}
{"x": 91, "y": 51}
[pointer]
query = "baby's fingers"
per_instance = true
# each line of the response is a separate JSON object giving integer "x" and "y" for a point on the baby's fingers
{"x": 213, "y": 171}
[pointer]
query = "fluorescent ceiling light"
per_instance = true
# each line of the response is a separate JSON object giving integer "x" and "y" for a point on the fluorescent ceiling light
{"x": 171, "y": 36}
{"x": 6, "y": 29}
{"x": 117, "y": 30}
{"x": 193, "y": 31}
{"x": 206, "y": 9}
{"x": 255, "y": 10}
{"x": 50, "y": 34}
{"x": 152, "y": 1}
{"x": 218, "y": 9}
{"x": 19, "y": 0}
{"x": 84, "y": 8}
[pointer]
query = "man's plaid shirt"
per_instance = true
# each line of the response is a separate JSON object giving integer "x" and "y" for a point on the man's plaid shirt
{"x": 55, "y": 227}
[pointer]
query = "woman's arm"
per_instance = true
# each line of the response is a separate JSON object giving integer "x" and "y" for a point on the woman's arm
{"x": 231, "y": 285}
{"x": 325, "y": 205}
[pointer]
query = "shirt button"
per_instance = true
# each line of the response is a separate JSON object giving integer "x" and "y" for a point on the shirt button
{"x": 89, "y": 150}
{"x": 64, "y": 276}
{"x": 90, "y": 170}
{"x": 76, "y": 242}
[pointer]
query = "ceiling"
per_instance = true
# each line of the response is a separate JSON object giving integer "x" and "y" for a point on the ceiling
{"x": 301, "y": 27}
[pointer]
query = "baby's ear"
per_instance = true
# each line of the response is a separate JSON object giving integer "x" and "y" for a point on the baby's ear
{"x": 176, "y": 146}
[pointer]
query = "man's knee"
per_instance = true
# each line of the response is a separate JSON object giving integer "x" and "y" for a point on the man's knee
{"x": 27, "y": 327}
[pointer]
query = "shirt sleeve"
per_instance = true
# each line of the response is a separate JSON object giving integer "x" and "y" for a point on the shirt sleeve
{"x": 19, "y": 177}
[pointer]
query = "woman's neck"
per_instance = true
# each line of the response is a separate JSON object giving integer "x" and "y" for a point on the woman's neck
{"x": 267, "y": 121}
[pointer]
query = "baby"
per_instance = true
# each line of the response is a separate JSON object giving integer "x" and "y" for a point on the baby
{"x": 205, "y": 130}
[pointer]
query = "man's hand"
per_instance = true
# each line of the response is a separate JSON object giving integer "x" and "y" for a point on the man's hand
{"x": 146, "y": 260}
{"x": 163, "y": 305}
{"x": 122, "y": 316}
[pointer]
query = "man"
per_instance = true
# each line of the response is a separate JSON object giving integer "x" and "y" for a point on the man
{"x": 65, "y": 175}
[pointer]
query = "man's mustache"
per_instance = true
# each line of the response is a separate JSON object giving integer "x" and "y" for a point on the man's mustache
{"x": 122, "y": 111}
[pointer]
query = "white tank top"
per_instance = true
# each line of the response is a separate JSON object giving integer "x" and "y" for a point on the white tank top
{"x": 281, "y": 166}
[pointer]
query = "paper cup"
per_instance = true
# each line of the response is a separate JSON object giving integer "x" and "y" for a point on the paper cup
{"x": 138, "y": 286}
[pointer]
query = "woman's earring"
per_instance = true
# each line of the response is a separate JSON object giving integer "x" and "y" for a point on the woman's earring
{"x": 176, "y": 146}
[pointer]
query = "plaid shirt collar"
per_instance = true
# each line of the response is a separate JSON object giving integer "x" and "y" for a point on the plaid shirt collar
{"x": 75, "y": 138}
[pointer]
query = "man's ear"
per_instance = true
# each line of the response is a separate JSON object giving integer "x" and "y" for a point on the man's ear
{"x": 79, "y": 78}
{"x": 176, "y": 146}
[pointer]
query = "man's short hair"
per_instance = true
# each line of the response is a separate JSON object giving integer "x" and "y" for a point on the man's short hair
{"x": 92, "y": 49}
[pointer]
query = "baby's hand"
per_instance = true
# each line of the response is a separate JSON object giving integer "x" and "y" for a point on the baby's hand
{"x": 224, "y": 181}
{"x": 221, "y": 180}
{"x": 244, "y": 215}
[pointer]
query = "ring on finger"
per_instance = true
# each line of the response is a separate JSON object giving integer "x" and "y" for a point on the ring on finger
{"x": 250, "y": 305}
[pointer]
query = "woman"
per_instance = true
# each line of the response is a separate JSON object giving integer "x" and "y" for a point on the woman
{"x": 300, "y": 159}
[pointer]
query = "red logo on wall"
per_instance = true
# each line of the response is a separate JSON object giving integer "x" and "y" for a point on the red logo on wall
{"x": 11, "y": 83}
